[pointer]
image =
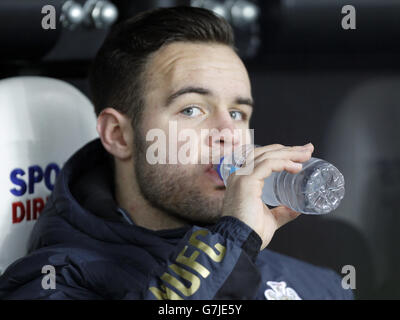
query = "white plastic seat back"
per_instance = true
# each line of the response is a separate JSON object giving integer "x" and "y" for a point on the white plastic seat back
{"x": 43, "y": 122}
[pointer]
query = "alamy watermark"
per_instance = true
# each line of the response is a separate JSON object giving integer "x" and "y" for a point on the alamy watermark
{"x": 349, "y": 20}
{"x": 49, "y": 19}
{"x": 349, "y": 280}
{"x": 188, "y": 145}
{"x": 49, "y": 280}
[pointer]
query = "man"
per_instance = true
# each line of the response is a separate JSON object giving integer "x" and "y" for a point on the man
{"x": 120, "y": 227}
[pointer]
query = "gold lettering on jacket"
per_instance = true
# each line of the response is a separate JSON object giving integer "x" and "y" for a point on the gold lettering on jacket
{"x": 205, "y": 247}
{"x": 166, "y": 293}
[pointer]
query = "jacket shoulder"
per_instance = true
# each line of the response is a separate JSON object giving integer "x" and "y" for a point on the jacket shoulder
{"x": 79, "y": 273}
{"x": 310, "y": 281}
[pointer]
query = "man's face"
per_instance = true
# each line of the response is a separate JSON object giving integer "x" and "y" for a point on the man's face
{"x": 196, "y": 86}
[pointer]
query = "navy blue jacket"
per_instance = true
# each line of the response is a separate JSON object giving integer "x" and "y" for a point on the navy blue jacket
{"x": 98, "y": 253}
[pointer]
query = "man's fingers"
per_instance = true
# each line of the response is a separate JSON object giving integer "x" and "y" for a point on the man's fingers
{"x": 264, "y": 169}
{"x": 300, "y": 155}
{"x": 267, "y": 166}
{"x": 286, "y": 158}
{"x": 284, "y": 215}
{"x": 259, "y": 151}
{"x": 279, "y": 148}
{"x": 270, "y": 147}
{"x": 279, "y": 151}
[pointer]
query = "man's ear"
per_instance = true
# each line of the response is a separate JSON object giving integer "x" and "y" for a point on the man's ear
{"x": 116, "y": 134}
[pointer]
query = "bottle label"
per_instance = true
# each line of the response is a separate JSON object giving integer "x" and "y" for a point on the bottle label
{"x": 231, "y": 170}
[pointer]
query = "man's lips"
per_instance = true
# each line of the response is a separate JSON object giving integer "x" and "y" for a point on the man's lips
{"x": 214, "y": 176}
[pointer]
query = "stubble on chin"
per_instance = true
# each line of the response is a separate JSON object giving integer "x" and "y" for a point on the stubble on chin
{"x": 173, "y": 189}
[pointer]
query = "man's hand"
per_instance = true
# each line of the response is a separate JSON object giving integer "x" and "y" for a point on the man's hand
{"x": 243, "y": 192}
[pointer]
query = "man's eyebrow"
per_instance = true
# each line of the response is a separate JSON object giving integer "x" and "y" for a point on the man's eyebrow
{"x": 186, "y": 90}
{"x": 204, "y": 91}
{"x": 247, "y": 101}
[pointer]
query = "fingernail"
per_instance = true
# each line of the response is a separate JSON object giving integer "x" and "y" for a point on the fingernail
{"x": 308, "y": 145}
{"x": 298, "y": 165}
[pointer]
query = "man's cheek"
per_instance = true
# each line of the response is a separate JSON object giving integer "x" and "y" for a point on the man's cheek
{"x": 184, "y": 151}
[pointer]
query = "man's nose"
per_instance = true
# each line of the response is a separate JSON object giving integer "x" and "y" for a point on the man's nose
{"x": 223, "y": 134}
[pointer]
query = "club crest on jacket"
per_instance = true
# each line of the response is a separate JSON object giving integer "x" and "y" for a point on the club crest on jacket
{"x": 280, "y": 292}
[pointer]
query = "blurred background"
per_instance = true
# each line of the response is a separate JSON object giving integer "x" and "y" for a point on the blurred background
{"x": 313, "y": 81}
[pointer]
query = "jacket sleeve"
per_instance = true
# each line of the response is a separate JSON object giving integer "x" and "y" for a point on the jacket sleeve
{"x": 25, "y": 279}
{"x": 208, "y": 263}
{"x": 215, "y": 263}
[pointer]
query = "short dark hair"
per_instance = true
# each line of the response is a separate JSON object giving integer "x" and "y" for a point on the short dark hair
{"x": 116, "y": 76}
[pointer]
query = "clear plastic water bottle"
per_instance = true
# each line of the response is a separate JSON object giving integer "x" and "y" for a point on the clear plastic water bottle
{"x": 317, "y": 189}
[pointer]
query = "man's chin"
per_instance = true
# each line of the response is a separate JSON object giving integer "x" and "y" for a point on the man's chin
{"x": 208, "y": 211}
{"x": 207, "y": 222}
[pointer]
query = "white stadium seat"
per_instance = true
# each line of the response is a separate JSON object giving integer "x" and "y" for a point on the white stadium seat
{"x": 43, "y": 122}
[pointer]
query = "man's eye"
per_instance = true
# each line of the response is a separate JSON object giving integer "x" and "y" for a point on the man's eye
{"x": 237, "y": 115}
{"x": 192, "y": 111}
